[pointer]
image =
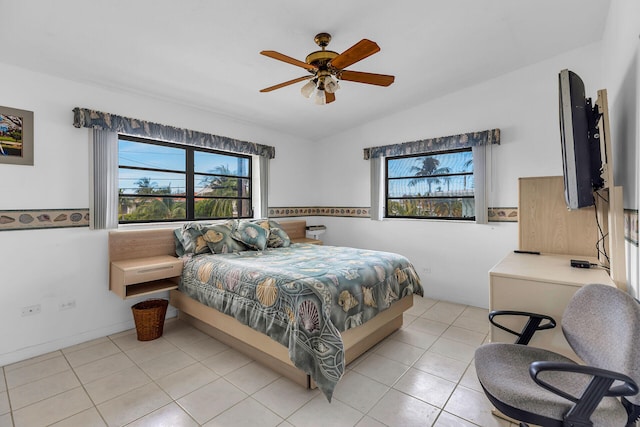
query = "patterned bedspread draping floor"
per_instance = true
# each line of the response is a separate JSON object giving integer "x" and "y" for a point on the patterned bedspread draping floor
{"x": 302, "y": 296}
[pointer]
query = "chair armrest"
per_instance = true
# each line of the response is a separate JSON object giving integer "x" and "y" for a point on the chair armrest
{"x": 533, "y": 325}
{"x": 598, "y": 387}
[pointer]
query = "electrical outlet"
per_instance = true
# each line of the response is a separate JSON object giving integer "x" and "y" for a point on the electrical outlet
{"x": 426, "y": 270}
{"x": 67, "y": 305}
{"x": 31, "y": 310}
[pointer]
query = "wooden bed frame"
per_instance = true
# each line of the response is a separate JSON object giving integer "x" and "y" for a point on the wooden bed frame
{"x": 134, "y": 244}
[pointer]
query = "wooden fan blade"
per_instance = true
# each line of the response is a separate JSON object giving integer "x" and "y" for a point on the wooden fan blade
{"x": 355, "y": 53}
{"x": 290, "y": 82}
{"x": 368, "y": 78}
{"x": 329, "y": 97}
{"x": 281, "y": 57}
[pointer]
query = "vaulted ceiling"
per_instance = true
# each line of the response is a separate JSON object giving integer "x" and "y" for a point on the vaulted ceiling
{"x": 206, "y": 53}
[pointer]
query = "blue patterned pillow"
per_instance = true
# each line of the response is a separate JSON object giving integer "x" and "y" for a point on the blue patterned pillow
{"x": 251, "y": 234}
{"x": 219, "y": 239}
{"x": 263, "y": 222}
{"x": 189, "y": 240}
{"x": 278, "y": 238}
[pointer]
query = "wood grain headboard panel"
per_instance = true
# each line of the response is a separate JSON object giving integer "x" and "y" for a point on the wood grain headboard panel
{"x": 130, "y": 244}
{"x": 295, "y": 229}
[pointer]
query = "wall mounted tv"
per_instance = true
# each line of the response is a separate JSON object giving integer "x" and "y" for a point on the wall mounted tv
{"x": 580, "y": 138}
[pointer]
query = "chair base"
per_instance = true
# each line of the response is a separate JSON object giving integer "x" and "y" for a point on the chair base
{"x": 633, "y": 411}
{"x": 502, "y": 416}
{"x": 518, "y": 416}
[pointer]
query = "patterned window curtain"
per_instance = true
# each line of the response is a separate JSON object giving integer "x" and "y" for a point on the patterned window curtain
{"x": 103, "y": 173}
{"x": 479, "y": 141}
{"x": 106, "y": 127}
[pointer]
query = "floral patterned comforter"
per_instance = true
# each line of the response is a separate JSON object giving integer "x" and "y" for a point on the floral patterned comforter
{"x": 302, "y": 296}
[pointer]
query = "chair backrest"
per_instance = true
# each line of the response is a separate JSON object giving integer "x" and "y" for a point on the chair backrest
{"x": 602, "y": 325}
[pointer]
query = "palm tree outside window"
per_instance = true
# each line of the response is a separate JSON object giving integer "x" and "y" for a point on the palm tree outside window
{"x": 437, "y": 185}
{"x": 160, "y": 181}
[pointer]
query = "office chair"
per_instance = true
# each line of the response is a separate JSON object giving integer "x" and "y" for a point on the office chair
{"x": 533, "y": 385}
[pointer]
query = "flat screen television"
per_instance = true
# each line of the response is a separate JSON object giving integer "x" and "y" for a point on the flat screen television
{"x": 582, "y": 161}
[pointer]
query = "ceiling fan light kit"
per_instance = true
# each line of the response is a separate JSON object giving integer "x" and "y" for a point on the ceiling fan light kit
{"x": 308, "y": 88}
{"x": 328, "y": 67}
{"x": 321, "y": 97}
{"x": 330, "y": 84}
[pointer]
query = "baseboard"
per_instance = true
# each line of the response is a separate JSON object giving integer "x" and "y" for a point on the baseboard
{"x": 58, "y": 344}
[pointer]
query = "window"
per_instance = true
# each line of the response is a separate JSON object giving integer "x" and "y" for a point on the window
{"x": 159, "y": 181}
{"x": 434, "y": 185}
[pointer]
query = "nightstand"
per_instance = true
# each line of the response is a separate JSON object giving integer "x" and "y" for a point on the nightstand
{"x": 143, "y": 276}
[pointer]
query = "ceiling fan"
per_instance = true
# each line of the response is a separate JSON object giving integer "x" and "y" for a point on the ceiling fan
{"x": 327, "y": 67}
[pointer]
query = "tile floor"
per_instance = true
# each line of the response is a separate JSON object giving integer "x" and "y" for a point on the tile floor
{"x": 421, "y": 375}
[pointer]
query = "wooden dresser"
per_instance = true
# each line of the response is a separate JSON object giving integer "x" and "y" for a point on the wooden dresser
{"x": 545, "y": 283}
{"x": 541, "y": 284}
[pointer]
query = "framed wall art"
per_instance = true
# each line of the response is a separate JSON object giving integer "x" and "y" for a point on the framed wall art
{"x": 16, "y": 136}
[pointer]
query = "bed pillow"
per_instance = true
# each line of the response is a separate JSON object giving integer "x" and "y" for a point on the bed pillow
{"x": 189, "y": 241}
{"x": 219, "y": 239}
{"x": 278, "y": 238}
{"x": 251, "y": 234}
{"x": 262, "y": 222}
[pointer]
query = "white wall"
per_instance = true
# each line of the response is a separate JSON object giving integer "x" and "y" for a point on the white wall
{"x": 621, "y": 69}
{"x": 48, "y": 267}
{"x": 523, "y": 104}
{"x": 453, "y": 258}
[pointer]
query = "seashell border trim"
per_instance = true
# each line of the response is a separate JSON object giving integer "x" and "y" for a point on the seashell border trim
{"x": 495, "y": 214}
{"x": 34, "y": 219}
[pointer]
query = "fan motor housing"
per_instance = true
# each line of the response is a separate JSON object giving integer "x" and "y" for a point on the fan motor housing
{"x": 320, "y": 58}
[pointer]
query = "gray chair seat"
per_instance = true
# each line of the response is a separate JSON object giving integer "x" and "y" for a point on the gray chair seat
{"x": 503, "y": 371}
{"x": 602, "y": 325}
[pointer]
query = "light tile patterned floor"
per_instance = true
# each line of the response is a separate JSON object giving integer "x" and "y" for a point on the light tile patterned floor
{"x": 421, "y": 375}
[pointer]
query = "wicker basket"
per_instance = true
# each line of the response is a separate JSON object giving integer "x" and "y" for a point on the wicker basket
{"x": 149, "y": 318}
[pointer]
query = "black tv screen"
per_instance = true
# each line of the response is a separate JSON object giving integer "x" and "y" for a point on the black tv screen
{"x": 582, "y": 163}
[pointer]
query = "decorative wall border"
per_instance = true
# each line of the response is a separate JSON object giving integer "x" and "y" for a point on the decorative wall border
{"x": 319, "y": 211}
{"x": 631, "y": 226}
{"x": 502, "y": 214}
{"x": 495, "y": 214}
{"x": 33, "y": 219}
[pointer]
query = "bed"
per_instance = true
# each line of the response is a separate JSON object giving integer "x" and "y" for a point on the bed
{"x": 305, "y": 310}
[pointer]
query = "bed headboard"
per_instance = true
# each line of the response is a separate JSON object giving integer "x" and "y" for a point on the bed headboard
{"x": 131, "y": 244}
{"x": 295, "y": 229}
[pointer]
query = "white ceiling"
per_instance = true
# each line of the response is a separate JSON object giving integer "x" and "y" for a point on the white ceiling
{"x": 206, "y": 53}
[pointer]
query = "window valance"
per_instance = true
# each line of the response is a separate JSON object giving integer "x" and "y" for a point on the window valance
{"x": 463, "y": 140}
{"x": 83, "y": 117}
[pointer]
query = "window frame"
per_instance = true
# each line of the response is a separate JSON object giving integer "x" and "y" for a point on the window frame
{"x": 387, "y": 179}
{"x": 190, "y": 185}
